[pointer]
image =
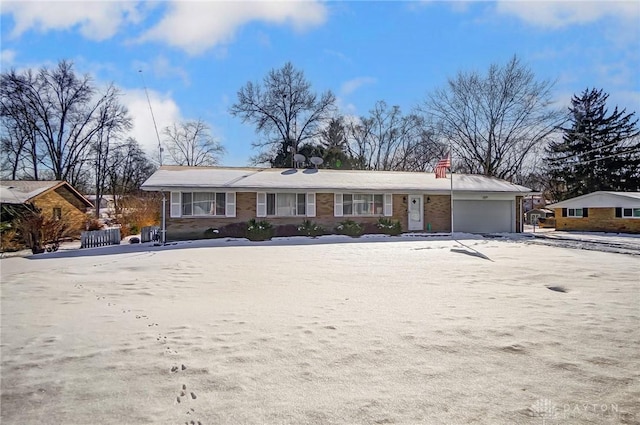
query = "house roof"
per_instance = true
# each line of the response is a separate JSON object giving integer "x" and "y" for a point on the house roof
{"x": 23, "y": 191}
{"x": 256, "y": 179}
{"x": 601, "y": 199}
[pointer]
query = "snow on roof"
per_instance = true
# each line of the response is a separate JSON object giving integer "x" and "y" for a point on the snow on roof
{"x": 601, "y": 199}
{"x": 256, "y": 179}
{"x": 21, "y": 191}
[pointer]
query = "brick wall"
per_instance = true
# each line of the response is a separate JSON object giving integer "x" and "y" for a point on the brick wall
{"x": 437, "y": 213}
{"x": 77, "y": 218}
{"x": 437, "y": 216}
{"x": 194, "y": 228}
{"x": 599, "y": 220}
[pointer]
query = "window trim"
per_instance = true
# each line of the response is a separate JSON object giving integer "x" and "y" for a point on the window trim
{"x": 633, "y": 212}
{"x": 339, "y": 204}
{"x": 176, "y": 204}
{"x": 268, "y": 196}
{"x": 575, "y": 214}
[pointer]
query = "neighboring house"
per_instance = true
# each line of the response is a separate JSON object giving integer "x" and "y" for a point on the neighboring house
{"x": 106, "y": 201}
{"x": 531, "y": 202}
{"x": 532, "y": 216}
{"x": 200, "y": 198}
{"x": 55, "y": 199}
{"x": 600, "y": 212}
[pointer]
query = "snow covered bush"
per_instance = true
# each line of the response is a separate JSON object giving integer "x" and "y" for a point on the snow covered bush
{"x": 349, "y": 228}
{"x": 259, "y": 230}
{"x": 309, "y": 228}
{"x": 390, "y": 227}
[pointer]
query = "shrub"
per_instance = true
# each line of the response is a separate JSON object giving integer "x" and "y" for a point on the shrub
{"x": 309, "y": 228}
{"x": 259, "y": 230}
{"x": 390, "y": 227}
{"x": 37, "y": 230}
{"x": 93, "y": 224}
{"x": 10, "y": 240}
{"x": 349, "y": 228}
{"x": 136, "y": 212}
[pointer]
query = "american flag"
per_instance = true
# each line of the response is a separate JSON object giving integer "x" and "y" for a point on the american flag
{"x": 441, "y": 168}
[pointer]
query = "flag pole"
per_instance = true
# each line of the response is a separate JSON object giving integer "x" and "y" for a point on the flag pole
{"x": 451, "y": 173}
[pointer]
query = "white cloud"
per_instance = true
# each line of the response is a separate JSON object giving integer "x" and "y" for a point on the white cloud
{"x": 7, "y": 58}
{"x": 96, "y": 20}
{"x": 198, "y": 26}
{"x": 558, "y": 14}
{"x": 165, "y": 111}
{"x": 352, "y": 85}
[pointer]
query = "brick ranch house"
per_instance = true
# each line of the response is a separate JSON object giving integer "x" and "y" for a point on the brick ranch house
{"x": 200, "y": 198}
{"x": 54, "y": 198}
{"x": 599, "y": 212}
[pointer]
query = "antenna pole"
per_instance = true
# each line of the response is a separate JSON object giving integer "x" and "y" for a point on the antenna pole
{"x": 152, "y": 117}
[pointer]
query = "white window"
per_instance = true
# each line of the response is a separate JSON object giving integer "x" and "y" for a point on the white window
{"x": 359, "y": 204}
{"x": 286, "y": 204}
{"x": 203, "y": 204}
{"x": 574, "y": 212}
{"x": 631, "y": 212}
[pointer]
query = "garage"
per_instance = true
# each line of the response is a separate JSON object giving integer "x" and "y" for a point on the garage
{"x": 483, "y": 216}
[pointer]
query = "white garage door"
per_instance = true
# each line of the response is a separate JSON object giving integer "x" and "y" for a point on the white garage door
{"x": 483, "y": 216}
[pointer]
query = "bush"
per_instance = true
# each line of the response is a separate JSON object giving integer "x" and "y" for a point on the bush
{"x": 10, "y": 240}
{"x": 309, "y": 228}
{"x": 259, "y": 230}
{"x": 136, "y": 212}
{"x": 390, "y": 227}
{"x": 94, "y": 224}
{"x": 349, "y": 228}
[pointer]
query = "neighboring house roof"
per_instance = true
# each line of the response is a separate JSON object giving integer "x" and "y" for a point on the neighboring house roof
{"x": 601, "y": 199}
{"x": 23, "y": 191}
{"x": 257, "y": 179}
{"x": 540, "y": 210}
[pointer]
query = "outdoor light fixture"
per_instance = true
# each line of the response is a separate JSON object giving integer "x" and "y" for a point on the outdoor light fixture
{"x": 428, "y": 199}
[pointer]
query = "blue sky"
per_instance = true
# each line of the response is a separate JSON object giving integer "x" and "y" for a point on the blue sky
{"x": 195, "y": 55}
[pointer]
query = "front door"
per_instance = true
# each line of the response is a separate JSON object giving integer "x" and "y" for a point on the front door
{"x": 416, "y": 213}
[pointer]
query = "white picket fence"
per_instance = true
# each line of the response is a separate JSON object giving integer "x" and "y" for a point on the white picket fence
{"x": 150, "y": 233}
{"x": 97, "y": 238}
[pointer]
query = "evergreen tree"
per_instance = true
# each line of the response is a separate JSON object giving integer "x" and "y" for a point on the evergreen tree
{"x": 599, "y": 150}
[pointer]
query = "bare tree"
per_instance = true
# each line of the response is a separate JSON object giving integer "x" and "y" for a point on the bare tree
{"x": 191, "y": 143}
{"x": 60, "y": 115}
{"x": 106, "y": 141}
{"x": 128, "y": 167}
{"x": 495, "y": 121}
{"x": 387, "y": 139}
{"x": 284, "y": 110}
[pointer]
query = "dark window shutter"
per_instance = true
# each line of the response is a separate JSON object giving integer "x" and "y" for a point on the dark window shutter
{"x": 618, "y": 212}
{"x": 564, "y": 212}
{"x": 585, "y": 212}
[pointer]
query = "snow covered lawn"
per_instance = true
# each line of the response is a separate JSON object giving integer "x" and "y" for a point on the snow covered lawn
{"x": 382, "y": 331}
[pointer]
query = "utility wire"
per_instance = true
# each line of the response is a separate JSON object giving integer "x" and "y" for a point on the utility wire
{"x": 153, "y": 118}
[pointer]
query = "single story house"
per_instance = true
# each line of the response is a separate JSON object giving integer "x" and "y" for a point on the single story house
{"x": 532, "y": 216}
{"x": 600, "y": 212}
{"x": 201, "y": 198}
{"x": 54, "y": 198}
